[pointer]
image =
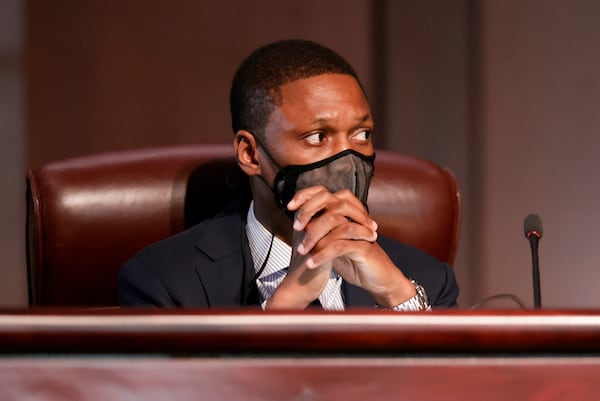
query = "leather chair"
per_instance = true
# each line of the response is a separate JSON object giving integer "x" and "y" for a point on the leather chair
{"x": 88, "y": 215}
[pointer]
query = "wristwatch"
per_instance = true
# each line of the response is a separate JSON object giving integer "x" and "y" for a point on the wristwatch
{"x": 419, "y": 302}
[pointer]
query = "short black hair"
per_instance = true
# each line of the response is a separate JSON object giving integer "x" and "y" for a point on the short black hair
{"x": 256, "y": 86}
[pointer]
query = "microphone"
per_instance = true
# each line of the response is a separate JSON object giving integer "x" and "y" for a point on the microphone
{"x": 532, "y": 227}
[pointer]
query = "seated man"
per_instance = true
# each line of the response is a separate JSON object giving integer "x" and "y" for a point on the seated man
{"x": 303, "y": 135}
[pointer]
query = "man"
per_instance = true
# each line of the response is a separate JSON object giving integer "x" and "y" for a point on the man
{"x": 303, "y": 135}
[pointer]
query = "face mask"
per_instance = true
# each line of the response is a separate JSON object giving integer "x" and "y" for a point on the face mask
{"x": 346, "y": 170}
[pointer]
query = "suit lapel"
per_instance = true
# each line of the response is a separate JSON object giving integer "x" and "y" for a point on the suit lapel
{"x": 225, "y": 273}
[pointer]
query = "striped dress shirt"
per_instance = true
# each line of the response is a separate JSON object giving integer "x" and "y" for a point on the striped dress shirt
{"x": 277, "y": 262}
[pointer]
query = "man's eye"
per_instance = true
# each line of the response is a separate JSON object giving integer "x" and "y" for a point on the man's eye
{"x": 315, "y": 138}
{"x": 363, "y": 135}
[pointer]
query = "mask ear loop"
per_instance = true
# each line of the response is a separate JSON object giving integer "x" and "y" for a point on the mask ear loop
{"x": 264, "y": 263}
{"x": 264, "y": 148}
{"x": 244, "y": 236}
{"x": 262, "y": 266}
{"x": 255, "y": 276}
{"x": 279, "y": 168}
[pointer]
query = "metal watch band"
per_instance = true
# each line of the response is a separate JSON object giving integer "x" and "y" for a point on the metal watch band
{"x": 419, "y": 302}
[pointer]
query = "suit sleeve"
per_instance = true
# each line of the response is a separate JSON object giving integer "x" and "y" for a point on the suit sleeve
{"x": 137, "y": 287}
{"x": 437, "y": 278}
{"x": 447, "y": 293}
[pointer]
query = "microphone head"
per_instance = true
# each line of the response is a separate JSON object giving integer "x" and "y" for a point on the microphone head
{"x": 533, "y": 226}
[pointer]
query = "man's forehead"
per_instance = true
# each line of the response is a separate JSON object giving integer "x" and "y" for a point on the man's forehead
{"x": 322, "y": 90}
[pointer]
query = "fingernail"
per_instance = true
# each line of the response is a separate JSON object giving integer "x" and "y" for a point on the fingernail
{"x": 297, "y": 225}
{"x": 301, "y": 249}
{"x": 291, "y": 203}
{"x": 310, "y": 263}
{"x": 374, "y": 225}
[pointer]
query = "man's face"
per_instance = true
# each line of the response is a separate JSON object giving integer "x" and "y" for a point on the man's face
{"x": 318, "y": 117}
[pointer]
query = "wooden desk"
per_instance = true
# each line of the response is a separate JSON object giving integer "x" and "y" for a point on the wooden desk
{"x": 227, "y": 355}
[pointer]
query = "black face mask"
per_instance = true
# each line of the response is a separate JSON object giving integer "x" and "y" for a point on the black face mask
{"x": 348, "y": 169}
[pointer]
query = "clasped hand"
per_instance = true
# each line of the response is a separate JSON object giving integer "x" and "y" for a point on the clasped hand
{"x": 334, "y": 231}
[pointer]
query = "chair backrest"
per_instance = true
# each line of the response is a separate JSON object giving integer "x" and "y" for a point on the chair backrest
{"x": 88, "y": 215}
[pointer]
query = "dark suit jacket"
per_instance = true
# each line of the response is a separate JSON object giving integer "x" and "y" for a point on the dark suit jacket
{"x": 210, "y": 265}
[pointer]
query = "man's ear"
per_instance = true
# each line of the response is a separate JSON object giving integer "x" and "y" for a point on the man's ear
{"x": 246, "y": 152}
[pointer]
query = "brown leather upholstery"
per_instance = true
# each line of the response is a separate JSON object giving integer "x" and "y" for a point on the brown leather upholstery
{"x": 88, "y": 215}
